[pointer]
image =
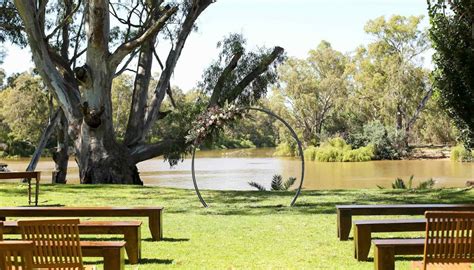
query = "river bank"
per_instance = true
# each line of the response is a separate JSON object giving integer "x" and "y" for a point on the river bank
{"x": 232, "y": 169}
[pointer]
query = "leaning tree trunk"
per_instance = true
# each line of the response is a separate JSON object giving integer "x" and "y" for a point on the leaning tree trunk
{"x": 61, "y": 156}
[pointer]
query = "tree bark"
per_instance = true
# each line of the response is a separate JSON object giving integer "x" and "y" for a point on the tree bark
{"x": 61, "y": 155}
{"x": 43, "y": 141}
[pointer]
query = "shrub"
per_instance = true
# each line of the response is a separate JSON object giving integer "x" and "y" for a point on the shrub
{"x": 399, "y": 183}
{"x": 277, "y": 184}
{"x": 365, "y": 153}
{"x": 310, "y": 153}
{"x": 387, "y": 143}
{"x": 337, "y": 150}
{"x": 285, "y": 149}
{"x": 460, "y": 153}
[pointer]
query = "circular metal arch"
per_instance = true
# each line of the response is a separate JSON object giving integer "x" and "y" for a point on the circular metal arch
{"x": 293, "y": 134}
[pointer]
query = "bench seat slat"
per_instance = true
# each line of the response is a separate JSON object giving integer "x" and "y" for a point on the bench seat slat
{"x": 376, "y": 222}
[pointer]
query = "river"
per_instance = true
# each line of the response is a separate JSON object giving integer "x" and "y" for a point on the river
{"x": 232, "y": 169}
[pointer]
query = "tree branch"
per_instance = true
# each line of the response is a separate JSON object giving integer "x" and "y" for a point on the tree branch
{"x": 65, "y": 21}
{"x": 143, "y": 152}
{"x": 129, "y": 46}
{"x": 216, "y": 93}
{"x": 198, "y": 6}
{"x": 419, "y": 108}
{"x": 261, "y": 68}
{"x": 168, "y": 90}
{"x": 50, "y": 75}
{"x": 125, "y": 66}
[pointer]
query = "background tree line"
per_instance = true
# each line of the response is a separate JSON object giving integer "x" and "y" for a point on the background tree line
{"x": 380, "y": 96}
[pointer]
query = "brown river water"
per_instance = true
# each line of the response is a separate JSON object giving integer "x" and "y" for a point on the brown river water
{"x": 232, "y": 169}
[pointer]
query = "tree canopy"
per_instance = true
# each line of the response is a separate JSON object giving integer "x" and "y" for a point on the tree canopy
{"x": 452, "y": 35}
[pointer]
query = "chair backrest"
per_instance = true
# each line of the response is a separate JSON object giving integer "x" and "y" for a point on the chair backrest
{"x": 57, "y": 243}
{"x": 449, "y": 237}
{"x": 16, "y": 255}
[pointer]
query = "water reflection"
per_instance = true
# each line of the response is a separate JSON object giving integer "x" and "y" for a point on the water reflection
{"x": 232, "y": 169}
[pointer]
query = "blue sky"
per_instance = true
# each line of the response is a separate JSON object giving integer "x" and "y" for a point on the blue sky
{"x": 296, "y": 25}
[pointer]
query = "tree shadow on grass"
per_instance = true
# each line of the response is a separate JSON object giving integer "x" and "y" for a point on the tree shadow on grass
{"x": 321, "y": 202}
{"x": 400, "y": 258}
{"x": 168, "y": 239}
{"x": 155, "y": 261}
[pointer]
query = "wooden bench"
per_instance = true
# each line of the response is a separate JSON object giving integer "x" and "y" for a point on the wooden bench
{"x": 153, "y": 213}
{"x": 386, "y": 249}
{"x": 345, "y": 212}
{"x": 111, "y": 251}
{"x": 28, "y": 176}
{"x": 129, "y": 229}
{"x": 363, "y": 230}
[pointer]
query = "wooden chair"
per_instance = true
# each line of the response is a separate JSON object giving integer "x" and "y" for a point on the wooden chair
{"x": 449, "y": 242}
{"x": 57, "y": 243}
{"x": 16, "y": 255}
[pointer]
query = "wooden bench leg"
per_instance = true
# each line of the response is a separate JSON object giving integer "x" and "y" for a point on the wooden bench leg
{"x": 114, "y": 259}
{"x": 133, "y": 244}
{"x": 344, "y": 223}
{"x": 384, "y": 258}
{"x": 37, "y": 191}
{"x": 362, "y": 240}
{"x": 29, "y": 191}
{"x": 156, "y": 228}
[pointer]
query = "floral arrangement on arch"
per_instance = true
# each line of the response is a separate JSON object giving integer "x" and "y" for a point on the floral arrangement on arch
{"x": 213, "y": 119}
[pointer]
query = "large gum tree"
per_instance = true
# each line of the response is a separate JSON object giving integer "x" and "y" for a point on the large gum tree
{"x": 80, "y": 47}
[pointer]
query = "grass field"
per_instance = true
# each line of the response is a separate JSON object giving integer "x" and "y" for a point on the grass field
{"x": 241, "y": 229}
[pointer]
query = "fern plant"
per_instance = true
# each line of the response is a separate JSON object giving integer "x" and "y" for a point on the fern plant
{"x": 400, "y": 184}
{"x": 257, "y": 186}
{"x": 288, "y": 183}
{"x": 276, "y": 185}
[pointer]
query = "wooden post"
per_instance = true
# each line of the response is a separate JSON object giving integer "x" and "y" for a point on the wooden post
{"x": 344, "y": 223}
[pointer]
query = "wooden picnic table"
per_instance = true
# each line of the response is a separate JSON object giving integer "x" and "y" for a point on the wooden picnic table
{"x": 25, "y": 175}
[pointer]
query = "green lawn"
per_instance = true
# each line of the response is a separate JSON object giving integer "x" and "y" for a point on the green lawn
{"x": 240, "y": 230}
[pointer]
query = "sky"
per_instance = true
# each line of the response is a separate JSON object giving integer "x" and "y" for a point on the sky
{"x": 296, "y": 25}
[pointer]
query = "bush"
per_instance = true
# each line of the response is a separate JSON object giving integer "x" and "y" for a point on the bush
{"x": 387, "y": 143}
{"x": 365, "y": 153}
{"x": 310, "y": 152}
{"x": 285, "y": 149}
{"x": 460, "y": 153}
{"x": 337, "y": 150}
{"x": 21, "y": 149}
{"x": 276, "y": 185}
{"x": 399, "y": 183}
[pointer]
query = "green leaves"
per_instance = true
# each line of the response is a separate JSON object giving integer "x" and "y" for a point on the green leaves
{"x": 276, "y": 185}
{"x": 452, "y": 35}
